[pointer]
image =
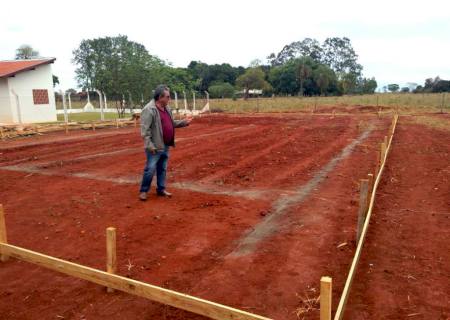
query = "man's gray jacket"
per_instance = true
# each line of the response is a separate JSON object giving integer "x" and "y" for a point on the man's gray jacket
{"x": 151, "y": 128}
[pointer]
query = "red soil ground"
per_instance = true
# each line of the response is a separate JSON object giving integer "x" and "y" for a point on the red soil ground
{"x": 404, "y": 271}
{"x": 260, "y": 205}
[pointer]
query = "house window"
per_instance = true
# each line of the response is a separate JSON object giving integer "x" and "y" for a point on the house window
{"x": 40, "y": 96}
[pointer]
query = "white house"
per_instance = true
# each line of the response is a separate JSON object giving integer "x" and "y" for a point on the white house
{"x": 26, "y": 91}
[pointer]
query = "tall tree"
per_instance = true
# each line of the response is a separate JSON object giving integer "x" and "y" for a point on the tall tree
{"x": 306, "y": 48}
{"x": 253, "y": 78}
{"x": 393, "y": 87}
{"x": 339, "y": 54}
{"x": 304, "y": 71}
{"x": 323, "y": 77}
{"x": 25, "y": 51}
{"x": 119, "y": 67}
{"x": 204, "y": 75}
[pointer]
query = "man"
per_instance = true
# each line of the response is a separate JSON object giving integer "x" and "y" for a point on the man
{"x": 158, "y": 131}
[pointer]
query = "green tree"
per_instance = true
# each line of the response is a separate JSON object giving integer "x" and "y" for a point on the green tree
{"x": 340, "y": 56}
{"x": 306, "y": 48}
{"x": 119, "y": 67}
{"x": 204, "y": 74}
{"x": 323, "y": 77}
{"x": 25, "y": 51}
{"x": 177, "y": 79}
{"x": 304, "y": 71}
{"x": 393, "y": 87}
{"x": 221, "y": 90}
{"x": 253, "y": 78}
{"x": 368, "y": 85}
{"x": 283, "y": 78}
{"x": 349, "y": 83}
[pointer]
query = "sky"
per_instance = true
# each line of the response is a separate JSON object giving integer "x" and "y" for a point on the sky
{"x": 396, "y": 41}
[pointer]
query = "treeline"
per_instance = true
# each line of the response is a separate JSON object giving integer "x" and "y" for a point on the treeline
{"x": 125, "y": 70}
{"x": 433, "y": 85}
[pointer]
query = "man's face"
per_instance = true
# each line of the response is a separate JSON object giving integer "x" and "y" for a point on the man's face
{"x": 164, "y": 99}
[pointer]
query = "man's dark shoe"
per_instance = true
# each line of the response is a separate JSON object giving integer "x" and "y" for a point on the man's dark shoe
{"x": 164, "y": 193}
{"x": 143, "y": 196}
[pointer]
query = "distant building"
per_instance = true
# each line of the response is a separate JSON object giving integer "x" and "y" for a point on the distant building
{"x": 26, "y": 91}
{"x": 251, "y": 92}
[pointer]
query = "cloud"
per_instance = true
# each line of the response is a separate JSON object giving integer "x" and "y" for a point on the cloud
{"x": 394, "y": 40}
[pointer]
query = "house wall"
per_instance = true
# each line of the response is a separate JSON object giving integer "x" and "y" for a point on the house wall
{"x": 23, "y": 84}
{"x": 5, "y": 102}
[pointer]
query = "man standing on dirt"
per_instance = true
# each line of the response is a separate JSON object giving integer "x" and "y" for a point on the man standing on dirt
{"x": 158, "y": 131}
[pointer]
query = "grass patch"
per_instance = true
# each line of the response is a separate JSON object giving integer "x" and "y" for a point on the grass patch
{"x": 435, "y": 122}
{"x": 90, "y": 116}
{"x": 401, "y": 102}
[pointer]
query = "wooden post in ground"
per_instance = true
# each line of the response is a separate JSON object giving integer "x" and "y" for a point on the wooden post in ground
{"x": 117, "y": 124}
{"x": 382, "y": 153}
{"x": 443, "y": 102}
{"x": 385, "y": 140}
{"x": 3, "y": 238}
{"x": 93, "y": 126}
{"x": 66, "y": 128}
{"x": 371, "y": 181}
{"x": 325, "y": 298}
{"x": 392, "y": 126}
{"x": 377, "y": 163}
{"x": 111, "y": 261}
{"x": 362, "y": 211}
{"x": 1, "y": 133}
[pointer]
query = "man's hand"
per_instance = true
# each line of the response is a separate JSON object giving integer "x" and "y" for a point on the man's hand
{"x": 152, "y": 151}
{"x": 188, "y": 118}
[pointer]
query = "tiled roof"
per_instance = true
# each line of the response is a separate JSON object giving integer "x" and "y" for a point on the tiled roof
{"x": 12, "y": 67}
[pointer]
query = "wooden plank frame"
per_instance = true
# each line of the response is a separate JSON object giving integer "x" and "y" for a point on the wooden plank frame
{"x": 3, "y": 238}
{"x": 179, "y": 300}
{"x": 345, "y": 293}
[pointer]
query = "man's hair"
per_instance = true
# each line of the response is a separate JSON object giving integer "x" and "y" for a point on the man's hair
{"x": 159, "y": 91}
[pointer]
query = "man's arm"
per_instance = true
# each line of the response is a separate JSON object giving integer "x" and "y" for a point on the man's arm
{"x": 146, "y": 131}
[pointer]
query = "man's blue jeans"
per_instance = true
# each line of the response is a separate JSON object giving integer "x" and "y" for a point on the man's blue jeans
{"x": 155, "y": 162}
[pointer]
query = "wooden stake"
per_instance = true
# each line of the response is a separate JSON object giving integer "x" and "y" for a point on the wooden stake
{"x": 386, "y": 140}
{"x": 325, "y": 298}
{"x": 370, "y": 178}
{"x": 377, "y": 164}
{"x": 111, "y": 260}
{"x": 67, "y": 128}
{"x": 3, "y": 239}
{"x": 1, "y": 133}
{"x": 382, "y": 153}
{"x": 93, "y": 127}
{"x": 117, "y": 124}
{"x": 362, "y": 211}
